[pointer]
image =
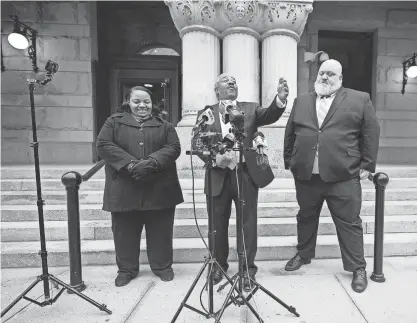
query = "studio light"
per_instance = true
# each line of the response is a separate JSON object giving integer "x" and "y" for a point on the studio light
{"x": 409, "y": 70}
{"x": 19, "y": 39}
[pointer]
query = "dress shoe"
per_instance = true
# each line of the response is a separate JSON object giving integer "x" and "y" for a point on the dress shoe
{"x": 248, "y": 285}
{"x": 359, "y": 281}
{"x": 122, "y": 280}
{"x": 217, "y": 276}
{"x": 165, "y": 275}
{"x": 296, "y": 262}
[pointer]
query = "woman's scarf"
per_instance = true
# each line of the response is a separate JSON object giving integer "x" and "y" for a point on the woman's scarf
{"x": 142, "y": 119}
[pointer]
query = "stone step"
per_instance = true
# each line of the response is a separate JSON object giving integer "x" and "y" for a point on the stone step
{"x": 93, "y": 212}
{"x": 187, "y": 250}
{"x": 56, "y": 171}
{"x": 21, "y": 184}
{"x": 187, "y": 228}
{"x": 265, "y": 195}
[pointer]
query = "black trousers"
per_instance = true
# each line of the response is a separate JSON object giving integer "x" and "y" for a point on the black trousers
{"x": 344, "y": 200}
{"x": 127, "y": 230}
{"x": 222, "y": 206}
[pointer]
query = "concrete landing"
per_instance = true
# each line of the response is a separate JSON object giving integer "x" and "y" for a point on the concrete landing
{"x": 320, "y": 292}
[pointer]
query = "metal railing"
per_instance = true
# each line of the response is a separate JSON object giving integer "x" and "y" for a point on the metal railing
{"x": 380, "y": 181}
{"x": 72, "y": 181}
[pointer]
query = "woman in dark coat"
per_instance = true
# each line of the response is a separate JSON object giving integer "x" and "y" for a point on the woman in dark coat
{"x": 142, "y": 186}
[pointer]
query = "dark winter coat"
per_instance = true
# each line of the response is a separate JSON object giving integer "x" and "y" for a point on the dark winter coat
{"x": 121, "y": 140}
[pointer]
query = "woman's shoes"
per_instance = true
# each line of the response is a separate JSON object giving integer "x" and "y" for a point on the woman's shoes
{"x": 165, "y": 275}
{"x": 122, "y": 280}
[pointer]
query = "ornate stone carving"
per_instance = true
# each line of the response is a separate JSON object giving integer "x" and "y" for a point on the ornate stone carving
{"x": 289, "y": 16}
{"x": 254, "y": 17}
{"x": 195, "y": 14}
{"x": 241, "y": 14}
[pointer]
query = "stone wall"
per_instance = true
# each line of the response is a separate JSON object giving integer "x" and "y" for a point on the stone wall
{"x": 394, "y": 25}
{"x": 64, "y": 111}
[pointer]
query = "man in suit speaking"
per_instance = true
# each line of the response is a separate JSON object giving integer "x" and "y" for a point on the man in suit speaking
{"x": 331, "y": 143}
{"x": 224, "y": 177}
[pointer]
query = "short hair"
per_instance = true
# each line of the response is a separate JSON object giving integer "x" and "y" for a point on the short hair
{"x": 216, "y": 84}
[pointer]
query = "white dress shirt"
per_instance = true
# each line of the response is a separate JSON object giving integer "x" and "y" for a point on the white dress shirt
{"x": 327, "y": 102}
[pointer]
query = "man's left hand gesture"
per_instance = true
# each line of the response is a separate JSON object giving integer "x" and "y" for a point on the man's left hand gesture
{"x": 283, "y": 89}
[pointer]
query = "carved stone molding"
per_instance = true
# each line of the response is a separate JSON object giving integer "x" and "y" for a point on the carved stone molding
{"x": 254, "y": 17}
{"x": 239, "y": 14}
{"x": 195, "y": 15}
{"x": 286, "y": 18}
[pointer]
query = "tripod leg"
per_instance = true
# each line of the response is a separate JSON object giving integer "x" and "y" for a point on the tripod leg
{"x": 190, "y": 290}
{"x": 289, "y": 308}
{"x": 18, "y": 298}
{"x": 218, "y": 317}
{"x": 102, "y": 307}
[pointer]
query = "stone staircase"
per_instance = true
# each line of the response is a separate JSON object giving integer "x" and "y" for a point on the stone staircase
{"x": 276, "y": 213}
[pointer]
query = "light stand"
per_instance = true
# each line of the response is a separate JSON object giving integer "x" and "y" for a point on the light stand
{"x": 51, "y": 68}
{"x": 238, "y": 278}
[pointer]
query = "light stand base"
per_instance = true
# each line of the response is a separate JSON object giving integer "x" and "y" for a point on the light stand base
{"x": 50, "y": 301}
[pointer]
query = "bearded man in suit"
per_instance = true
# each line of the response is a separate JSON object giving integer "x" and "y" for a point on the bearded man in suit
{"x": 331, "y": 143}
{"x": 224, "y": 181}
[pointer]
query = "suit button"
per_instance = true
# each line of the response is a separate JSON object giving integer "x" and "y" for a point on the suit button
{"x": 319, "y": 130}
{"x": 141, "y": 144}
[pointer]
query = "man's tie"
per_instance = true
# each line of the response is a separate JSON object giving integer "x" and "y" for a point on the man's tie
{"x": 223, "y": 106}
{"x": 322, "y": 110}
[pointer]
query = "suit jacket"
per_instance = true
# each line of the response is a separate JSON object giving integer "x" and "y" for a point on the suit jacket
{"x": 255, "y": 116}
{"x": 347, "y": 140}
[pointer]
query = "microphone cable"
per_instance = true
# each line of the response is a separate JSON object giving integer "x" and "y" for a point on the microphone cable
{"x": 198, "y": 228}
{"x": 243, "y": 234}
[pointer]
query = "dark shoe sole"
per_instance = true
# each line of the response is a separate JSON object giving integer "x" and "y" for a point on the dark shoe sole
{"x": 305, "y": 262}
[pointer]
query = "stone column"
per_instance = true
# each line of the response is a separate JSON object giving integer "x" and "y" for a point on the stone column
{"x": 284, "y": 24}
{"x": 200, "y": 54}
{"x": 200, "y": 68}
{"x": 241, "y": 59}
{"x": 241, "y": 46}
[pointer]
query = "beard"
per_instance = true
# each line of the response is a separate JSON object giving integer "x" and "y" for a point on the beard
{"x": 326, "y": 88}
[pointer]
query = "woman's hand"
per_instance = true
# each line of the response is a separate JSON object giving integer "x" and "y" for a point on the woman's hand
{"x": 142, "y": 168}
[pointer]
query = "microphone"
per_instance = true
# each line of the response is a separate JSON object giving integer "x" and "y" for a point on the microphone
{"x": 206, "y": 117}
{"x": 260, "y": 143}
{"x": 236, "y": 117}
{"x": 228, "y": 142}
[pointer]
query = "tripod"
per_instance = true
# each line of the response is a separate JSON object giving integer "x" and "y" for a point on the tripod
{"x": 46, "y": 276}
{"x": 211, "y": 260}
{"x": 237, "y": 279}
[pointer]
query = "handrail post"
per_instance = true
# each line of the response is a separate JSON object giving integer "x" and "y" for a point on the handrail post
{"x": 380, "y": 181}
{"x": 72, "y": 181}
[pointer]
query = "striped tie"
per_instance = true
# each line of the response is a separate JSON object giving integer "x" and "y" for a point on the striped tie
{"x": 322, "y": 110}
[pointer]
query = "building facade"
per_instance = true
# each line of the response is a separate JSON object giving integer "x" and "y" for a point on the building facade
{"x": 178, "y": 48}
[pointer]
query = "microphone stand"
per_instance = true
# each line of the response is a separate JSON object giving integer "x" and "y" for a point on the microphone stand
{"x": 46, "y": 276}
{"x": 210, "y": 261}
{"x": 237, "y": 280}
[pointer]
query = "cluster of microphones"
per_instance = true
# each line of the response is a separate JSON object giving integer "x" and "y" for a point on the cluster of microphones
{"x": 236, "y": 119}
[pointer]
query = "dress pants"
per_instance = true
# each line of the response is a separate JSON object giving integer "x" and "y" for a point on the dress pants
{"x": 222, "y": 205}
{"x": 344, "y": 200}
{"x": 127, "y": 230}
